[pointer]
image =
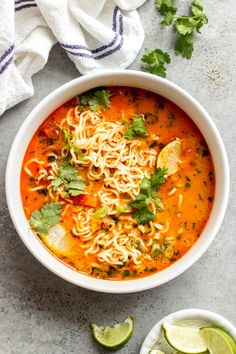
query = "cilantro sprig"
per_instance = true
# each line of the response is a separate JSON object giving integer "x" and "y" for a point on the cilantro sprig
{"x": 185, "y": 27}
{"x": 68, "y": 176}
{"x": 95, "y": 99}
{"x": 147, "y": 195}
{"x": 167, "y": 10}
{"x": 136, "y": 128}
{"x": 46, "y": 217}
{"x": 155, "y": 62}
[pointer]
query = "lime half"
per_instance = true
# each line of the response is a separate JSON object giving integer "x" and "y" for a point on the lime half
{"x": 114, "y": 337}
{"x": 184, "y": 339}
{"x": 218, "y": 341}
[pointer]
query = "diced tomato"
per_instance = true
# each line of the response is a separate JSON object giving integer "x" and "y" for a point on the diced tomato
{"x": 84, "y": 200}
{"x": 47, "y": 129}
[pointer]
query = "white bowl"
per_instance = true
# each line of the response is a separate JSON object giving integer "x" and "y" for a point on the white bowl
{"x": 117, "y": 78}
{"x": 201, "y": 317}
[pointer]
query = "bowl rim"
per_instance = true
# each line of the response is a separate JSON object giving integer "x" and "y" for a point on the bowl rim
{"x": 55, "y": 265}
{"x": 187, "y": 314}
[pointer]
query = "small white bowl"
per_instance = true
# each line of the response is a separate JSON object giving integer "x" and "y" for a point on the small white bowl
{"x": 202, "y": 317}
{"x": 117, "y": 78}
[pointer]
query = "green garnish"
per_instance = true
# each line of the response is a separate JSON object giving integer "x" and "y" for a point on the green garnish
{"x": 95, "y": 99}
{"x": 184, "y": 46}
{"x": 156, "y": 250}
{"x": 123, "y": 209}
{"x": 136, "y": 128}
{"x": 70, "y": 145}
{"x": 166, "y": 9}
{"x": 158, "y": 177}
{"x": 147, "y": 195}
{"x": 76, "y": 187}
{"x": 126, "y": 273}
{"x": 185, "y": 26}
{"x": 156, "y": 61}
{"x": 101, "y": 212}
{"x": 46, "y": 217}
{"x": 67, "y": 175}
{"x": 144, "y": 215}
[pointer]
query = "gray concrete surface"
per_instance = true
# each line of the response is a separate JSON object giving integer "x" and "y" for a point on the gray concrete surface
{"x": 39, "y": 312}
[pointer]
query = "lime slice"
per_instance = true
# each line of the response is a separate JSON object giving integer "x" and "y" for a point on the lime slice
{"x": 156, "y": 351}
{"x": 56, "y": 239}
{"x": 218, "y": 341}
{"x": 184, "y": 339}
{"x": 114, "y": 337}
{"x": 169, "y": 157}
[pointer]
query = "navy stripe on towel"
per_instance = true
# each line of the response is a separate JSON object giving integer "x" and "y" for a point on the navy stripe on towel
{"x": 89, "y": 54}
{"x": 101, "y": 56}
{"x": 97, "y": 50}
{"x": 20, "y": 1}
{"x": 4, "y": 67}
{"x": 6, "y": 53}
{"x": 26, "y": 6}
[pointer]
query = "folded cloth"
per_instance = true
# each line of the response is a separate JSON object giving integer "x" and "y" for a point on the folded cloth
{"x": 96, "y": 34}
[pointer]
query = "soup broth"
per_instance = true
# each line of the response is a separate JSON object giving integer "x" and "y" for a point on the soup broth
{"x": 118, "y": 183}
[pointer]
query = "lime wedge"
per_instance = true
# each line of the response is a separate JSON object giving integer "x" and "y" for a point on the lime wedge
{"x": 169, "y": 157}
{"x": 56, "y": 239}
{"x": 114, "y": 337}
{"x": 156, "y": 351}
{"x": 218, "y": 341}
{"x": 184, "y": 339}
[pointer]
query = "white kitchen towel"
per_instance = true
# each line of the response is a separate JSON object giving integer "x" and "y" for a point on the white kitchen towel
{"x": 96, "y": 34}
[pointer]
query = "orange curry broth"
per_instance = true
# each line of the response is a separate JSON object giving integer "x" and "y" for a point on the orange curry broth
{"x": 195, "y": 178}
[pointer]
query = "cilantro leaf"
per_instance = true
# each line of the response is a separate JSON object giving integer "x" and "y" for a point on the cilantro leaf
{"x": 158, "y": 177}
{"x": 101, "y": 98}
{"x": 66, "y": 171}
{"x": 67, "y": 175}
{"x": 166, "y": 9}
{"x": 197, "y": 8}
{"x": 76, "y": 187}
{"x": 84, "y": 100}
{"x": 56, "y": 182}
{"x": 136, "y": 128}
{"x": 184, "y": 46}
{"x": 185, "y": 26}
{"x": 156, "y": 61}
{"x": 147, "y": 195}
{"x": 144, "y": 216}
{"x": 139, "y": 202}
{"x": 49, "y": 215}
{"x": 95, "y": 99}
